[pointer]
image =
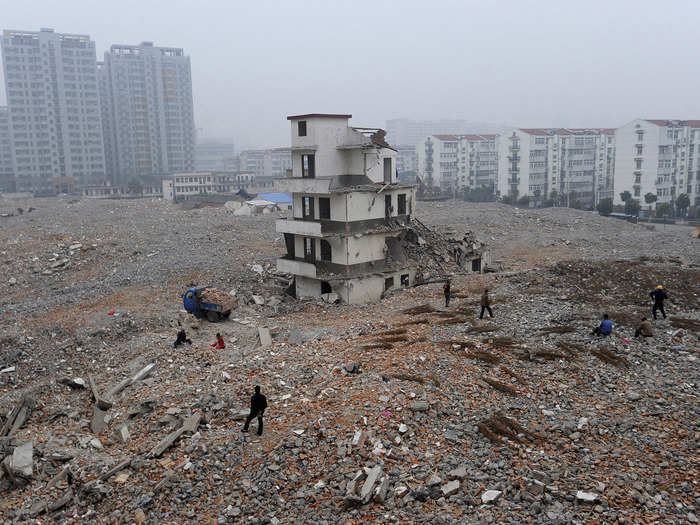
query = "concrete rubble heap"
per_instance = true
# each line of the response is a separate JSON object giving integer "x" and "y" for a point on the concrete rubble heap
{"x": 395, "y": 411}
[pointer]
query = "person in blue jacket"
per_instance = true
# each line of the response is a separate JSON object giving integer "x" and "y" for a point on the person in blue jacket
{"x": 658, "y": 296}
{"x": 605, "y": 328}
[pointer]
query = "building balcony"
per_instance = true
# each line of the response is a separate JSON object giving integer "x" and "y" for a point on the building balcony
{"x": 304, "y": 185}
{"x": 296, "y": 267}
{"x": 306, "y": 228}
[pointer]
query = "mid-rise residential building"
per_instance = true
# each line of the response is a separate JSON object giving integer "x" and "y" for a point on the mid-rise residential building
{"x": 7, "y": 173}
{"x": 202, "y": 184}
{"x": 53, "y": 99}
{"x": 213, "y": 154}
{"x": 659, "y": 157}
{"x": 568, "y": 165}
{"x": 348, "y": 211}
{"x": 406, "y": 131}
{"x": 456, "y": 163}
{"x": 266, "y": 163}
{"x": 148, "y": 97}
{"x": 406, "y": 159}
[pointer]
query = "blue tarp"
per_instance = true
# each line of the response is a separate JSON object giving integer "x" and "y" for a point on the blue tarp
{"x": 277, "y": 198}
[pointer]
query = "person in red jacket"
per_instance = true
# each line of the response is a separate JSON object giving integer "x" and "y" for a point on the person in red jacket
{"x": 219, "y": 344}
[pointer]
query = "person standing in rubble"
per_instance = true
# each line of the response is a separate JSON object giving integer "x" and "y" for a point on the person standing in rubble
{"x": 485, "y": 304}
{"x": 258, "y": 404}
{"x": 447, "y": 290}
{"x": 219, "y": 343}
{"x": 181, "y": 338}
{"x": 658, "y": 296}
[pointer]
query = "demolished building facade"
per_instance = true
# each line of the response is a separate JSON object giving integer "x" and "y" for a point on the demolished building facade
{"x": 351, "y": 219}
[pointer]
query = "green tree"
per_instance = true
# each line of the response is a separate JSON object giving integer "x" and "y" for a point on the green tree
{"x": 554, "y": 196}
{"x": 537, "y": 194}
{"x": 508, "y": 199}
{"x": 524, "y": 201}
{"x": 682, "y": 204}
{"x": 625, "y": 196}
{"x": 650, "y": 198}
{"x": 605, "y": 207}
{"x": 632, "y": 207}
{"x": 663, "y": 209}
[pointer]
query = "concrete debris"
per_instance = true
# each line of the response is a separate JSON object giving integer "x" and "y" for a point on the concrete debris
{"x": 265, "y": 337}
{"x": 74, "y": 383}
{"x": 490, "y": 496}
{"x": 123, "y": 433}
{"x": 449, "y": 488}
{"x": 587, "y": 497}
{"x": 21, "y": 462}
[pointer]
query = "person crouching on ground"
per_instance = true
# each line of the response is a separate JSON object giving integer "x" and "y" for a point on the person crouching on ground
{"x": 219, "y": 344}
{"x": 605, "y": 328}
{"x": 181, "y": 339}
{"x": 258, "y": 404}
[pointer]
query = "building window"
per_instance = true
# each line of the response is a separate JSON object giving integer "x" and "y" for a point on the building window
{"x": 302, "y": 128}
{"x": 388, "y": 283}
{"x": 405, "y": 280}
{"x": 639, "y": 149}
{"x": 387, "y": 170}
{"x": 401, "y": 204}
{"x": 324, "y": 208}
{"x": 387, "y": 206}
{"x": 637, "y": 178}
{"x": 476, "y": 265}
{"x": 640, "y": 136}
{"x": 637, "y": 191}
{"x": 309, "y": 250}
{"x": 307, "y": 208}
{"x": 326, "y": 252}
{"x": 307, "y": 166}
{"x": 326, "y": 287}
{"x": 638, "y": 164}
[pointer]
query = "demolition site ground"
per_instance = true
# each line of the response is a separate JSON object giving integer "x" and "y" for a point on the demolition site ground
{"x": 400, "y": 411}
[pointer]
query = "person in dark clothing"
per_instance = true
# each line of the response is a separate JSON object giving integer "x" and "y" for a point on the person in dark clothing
{"x": 658, "y": 296}
{"x": 485, "y": 303}
{"x": 644, "y": 329}
{"x": 446, "y": 291}
{"x": 181, "y": 339}
{"x": 258, "y": 404}
{"x": 605, "y": 328}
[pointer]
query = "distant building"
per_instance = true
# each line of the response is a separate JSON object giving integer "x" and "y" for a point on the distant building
{"x": 213, "y": 155}
{"x": 266, "y": 163}
{"x": 150, "y": 189}
{"x": 7, "y": 174}
{"x": 148, "y": 97}
{"x": 456, "y": 163}
{"x": 406, "y": 158}
{"x": 348, "y": 211}
{"x": 568, "y": 165}
{"x": 660, "y": 157}
{"x": 407, "y": 131}
{"x": 204, "y": 184}
{"x": 53, "y": 99}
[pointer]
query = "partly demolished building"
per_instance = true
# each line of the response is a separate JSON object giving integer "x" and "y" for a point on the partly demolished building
{"x": 351, "y": 219}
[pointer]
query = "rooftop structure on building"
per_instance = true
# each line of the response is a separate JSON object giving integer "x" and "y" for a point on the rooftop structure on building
{"x": 348, "y": 211}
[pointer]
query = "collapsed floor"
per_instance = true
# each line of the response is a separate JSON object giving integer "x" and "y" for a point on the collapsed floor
{"x": 396, "y": 411}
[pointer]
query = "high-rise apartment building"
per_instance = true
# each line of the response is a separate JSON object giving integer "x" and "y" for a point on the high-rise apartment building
{"x": 148, "y": 98}
{"x": 661, "y": 157}
{"x": 7, "y": 174}
{"x": 405, "y": 131}
{"x": 456, "y": 163}
{"x": 571, "y": 165}
{"x": 53, "y": 100}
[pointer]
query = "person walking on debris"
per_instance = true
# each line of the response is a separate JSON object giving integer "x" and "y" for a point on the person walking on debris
{"x": 181, "y": 338}
{"x": 605, "y": 328}
{"x": 446, "y": 291}
{"x": 485, "y": 304}
{"x": 658, "y": 296}
{"x": 219, "y": 344}
{"x": 644, "y": 329}
{"x": 258, "y": 404}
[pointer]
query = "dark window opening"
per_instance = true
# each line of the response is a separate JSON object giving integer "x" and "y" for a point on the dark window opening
{"x": 326, "y": 287}
{"x": 307, "y": 210}
{"x": 302, "y": 128}
{"x": 401, "y": 204}
{"x": 324, "y": 208}
{"x": 405, "y": 280}
{"x": 387, "y": 206}
{"x": 387, "y": 170}
{"x": 309, "y": 250}
{"x": 308, "y": 170}
{"x": 289, "y": 243}
{"x": 476, "y": 265}
{"x": 388, "y": 283}
{"x": 325, "y": 250}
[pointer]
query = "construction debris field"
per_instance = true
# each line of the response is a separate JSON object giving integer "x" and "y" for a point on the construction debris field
{"x": 398, "y": 411}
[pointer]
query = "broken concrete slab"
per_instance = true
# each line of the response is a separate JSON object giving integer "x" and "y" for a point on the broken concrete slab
{"x": 21, "y": 462}
{"x": 490, "y": 496}
{"x": 140, "y": 375}
{"x": 587, "y": 497}
{"x": 381, "y": 490}
{"x": 190, "y": 425}
{"x": 259, "y": 300}
{"x": 99, "y": 420}
{"x": 458, "y": 473}
{"x": 331, "y": 298}
{"x": 264, "y": 335}
{"x": 351, "y": 495}
{"x": 123, "y": 433}
{"x": 368, "y": 486}
{"x": 75, "y": 383}
{"x": 450, "y": 487}
{"x": 102, "y": 403}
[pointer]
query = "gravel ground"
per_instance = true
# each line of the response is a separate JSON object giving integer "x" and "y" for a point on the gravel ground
{"x": 606, "y": 430}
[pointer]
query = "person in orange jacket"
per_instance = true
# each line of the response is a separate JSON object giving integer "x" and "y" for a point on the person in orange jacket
{"x": 219, "y": 344}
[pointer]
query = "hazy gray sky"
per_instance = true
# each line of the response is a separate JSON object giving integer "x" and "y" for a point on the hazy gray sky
{"x": 527, "y": 63}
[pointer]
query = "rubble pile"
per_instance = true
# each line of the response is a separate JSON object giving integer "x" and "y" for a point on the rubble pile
{"x": 400, "y": 411}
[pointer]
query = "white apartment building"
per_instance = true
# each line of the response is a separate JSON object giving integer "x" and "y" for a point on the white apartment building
{"x": 406, "y": 158}
{"x": 659, "y": 157}
{"x": 7, "y": 173}
{"x": 187, "y": 186}
{"x": 348, "y": 211}
{"x": 147, "y": 92}
{"x": 571, "y": 164}
{"x": 213, "y": 154}
{"x": 266, "y": 163}
{"x": 53, "y": 99}
{"x": 456, "y": 163}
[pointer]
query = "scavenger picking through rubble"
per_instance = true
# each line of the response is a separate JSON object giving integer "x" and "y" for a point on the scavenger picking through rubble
{"x": 219, "y": 343}
{"x": 258, "y": 404}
